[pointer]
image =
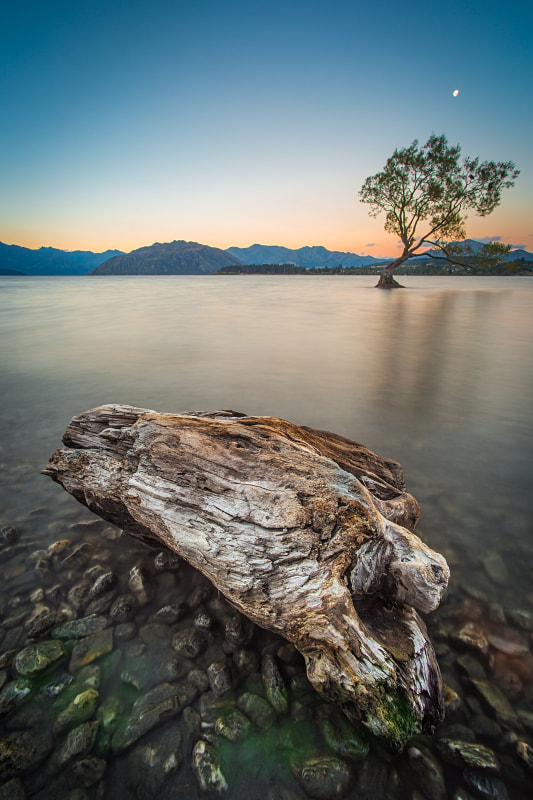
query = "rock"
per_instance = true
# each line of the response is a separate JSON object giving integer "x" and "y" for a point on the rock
{"x": 79, "y": 628}
{"x": 12, "y": 790}
{"x": 203, "y": 621}
{"x": 524, "y": 752}
{"x": 54, "y": 687}
{"x": 310, "y": 548}
{"x": 426, "y": 773}
{"x": 485, "y": 727}
{"x": 79, "y": 710}
{"x": 86, "y": 772}
{"x": 324, "y": 778}
{"x": 170, "y": 614}
{"x": 468, "y": 754}
{"x": 207, "y": 768}
{"x": 78, "y": 742}
{"x": 166, "y": 559}
{"x": 36, "y": 658}
{"x": 123, "y": 608}
{"x": 340, "y": 735}
{"x": 90, "y": 648}
{"x": 238, "y": 631}
{"x": 495, "y": 568}
{"x": 22, "y": 752}
{"x": 233, "y": 726}
{"x": 471, "y": 667}
{"x": 9, "y": 534}
{"x": 125, "y": 631}
{"x": 78, "y": 558}
{"x": 103, "y": 583}
{"x": 138, "y": 583}
{"x": 275, "y": 688}
{"x": 40, "y": 623}
{"x": 497, "y": 702}
{"x": 522, "y": 618}
{"x": 189, "y": 643}
{"x": 471, "y": 635}
{"x": 219, "y": 676}
{"x": 159, "y": 704}
{"x": 14, "y": 694}
{"x": 257, "y": 709}
{"x": 485, "y": 785}
{"x": 151, "y": 762}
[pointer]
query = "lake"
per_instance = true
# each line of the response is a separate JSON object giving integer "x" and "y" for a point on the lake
{"x": 438, "y": 376}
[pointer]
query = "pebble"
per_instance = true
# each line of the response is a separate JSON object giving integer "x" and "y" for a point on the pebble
{"x": 275, "y": 688}
{"x": 340, "y": 735}
{"x": 497, "y": 702}
{"x": 90, "y": 648}
{"x": 485, "y": 785}
{"x": 426, "y": 773}
{"x": 324, "y": 778}
{"x": 189, "y": 643}
{"x": 233, "y": 726}
{"x": 219, "y": 676}
{"x": 38, "y": 657}
{"x": 79, "y": 628}
{"x": 78, "y": 742}
{"x": 207, "y": 768}
{"x": 79, "y": 710}
{"x": 22, "y": 752}
{"x": 469, "y": 754}
{"x": 257, "y": 709}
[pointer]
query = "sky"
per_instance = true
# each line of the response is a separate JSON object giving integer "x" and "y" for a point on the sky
{"x": 241, "y": 122}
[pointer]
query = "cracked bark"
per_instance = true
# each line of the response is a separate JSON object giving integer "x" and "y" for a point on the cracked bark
{"x": 305, "y": 532}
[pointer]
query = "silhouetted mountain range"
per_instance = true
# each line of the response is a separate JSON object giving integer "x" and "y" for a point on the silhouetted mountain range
{"x": 303, "y": 257}
{"x": 49, "y": 260}
{"x": 174, "y": 258}
{"x": 184, "y": 258}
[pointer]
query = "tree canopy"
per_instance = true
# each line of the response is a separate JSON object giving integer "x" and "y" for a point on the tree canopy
{"x": 426, "y": 192}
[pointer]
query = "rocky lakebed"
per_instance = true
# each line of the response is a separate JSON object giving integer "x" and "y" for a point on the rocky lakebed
{"x": 125, "y": 674}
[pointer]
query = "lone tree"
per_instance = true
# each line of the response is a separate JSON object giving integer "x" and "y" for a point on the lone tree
{"x": 426, "y": 192}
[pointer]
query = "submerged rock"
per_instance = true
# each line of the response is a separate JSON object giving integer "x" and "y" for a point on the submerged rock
{"x": 207, "y": 768}
{"x": 324, "y": 778}
{"x": 36, "y": 658}
{"x": 23, "y": 751}
{"x": 159, "y": 704}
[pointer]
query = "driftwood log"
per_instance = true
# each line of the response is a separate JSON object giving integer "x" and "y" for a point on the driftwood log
{"x": 305, "y": 532}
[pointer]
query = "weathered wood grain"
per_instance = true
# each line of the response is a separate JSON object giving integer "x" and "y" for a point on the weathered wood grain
{"x": 305, "y": 532}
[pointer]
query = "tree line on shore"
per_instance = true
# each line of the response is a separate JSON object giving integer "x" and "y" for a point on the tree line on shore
{"x": 519, "y": 266}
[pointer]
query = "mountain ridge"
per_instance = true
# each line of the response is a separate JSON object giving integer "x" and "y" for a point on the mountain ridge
{"x": 170, "y": 258}
{"x": 308, "y": 256}
{"x": 49, "y": 260}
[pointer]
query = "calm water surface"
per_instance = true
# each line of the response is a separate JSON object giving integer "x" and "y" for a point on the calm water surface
{"x": 438, "y": 376}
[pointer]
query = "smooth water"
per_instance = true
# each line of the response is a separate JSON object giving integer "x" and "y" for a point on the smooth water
{"x": 438, "y": 376}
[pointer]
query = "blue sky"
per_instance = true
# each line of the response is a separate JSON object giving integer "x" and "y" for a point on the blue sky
{"x": 126, "y": 123}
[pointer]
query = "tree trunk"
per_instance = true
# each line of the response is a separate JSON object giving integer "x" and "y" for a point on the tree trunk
{"x": 386, "y": 280}
{"x": 305, "y": 532}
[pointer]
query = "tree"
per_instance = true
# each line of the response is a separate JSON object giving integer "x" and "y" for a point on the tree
{"x": 426, "y": 193}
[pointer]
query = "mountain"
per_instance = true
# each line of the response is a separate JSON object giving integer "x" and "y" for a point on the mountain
{"x": 475, "y": 246}
{"x": 49, "y": 260}
{"x": 303, "y": 257}
{"x": 173, "y": 258}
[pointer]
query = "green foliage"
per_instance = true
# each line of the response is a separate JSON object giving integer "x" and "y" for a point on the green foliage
{"x": 426, "y": 192}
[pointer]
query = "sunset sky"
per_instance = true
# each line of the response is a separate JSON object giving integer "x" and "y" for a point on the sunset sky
{"x": 230, "y": 123}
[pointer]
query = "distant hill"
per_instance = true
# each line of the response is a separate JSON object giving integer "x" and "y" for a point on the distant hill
{"x": 173, "y": 258}
{"x": 303, "y": 257}
{"x": 49, "y": 260}
{"x": 476, "y": 246}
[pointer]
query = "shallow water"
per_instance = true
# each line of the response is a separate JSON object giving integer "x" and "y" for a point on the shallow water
{"x": 437, "y": 376}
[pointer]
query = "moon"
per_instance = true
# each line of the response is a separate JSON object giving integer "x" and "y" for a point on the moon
{"x": 456, "y": 92}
